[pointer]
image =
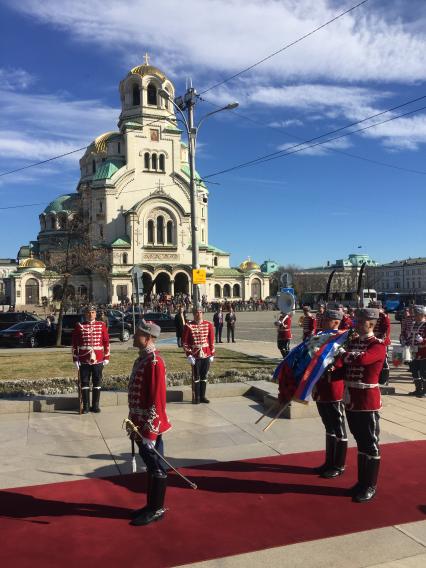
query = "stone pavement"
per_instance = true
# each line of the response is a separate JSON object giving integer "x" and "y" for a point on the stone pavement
{"x": 40, "y": 448}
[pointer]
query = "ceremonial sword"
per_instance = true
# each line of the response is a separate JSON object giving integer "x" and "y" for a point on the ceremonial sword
{"x": 130, "y": 427}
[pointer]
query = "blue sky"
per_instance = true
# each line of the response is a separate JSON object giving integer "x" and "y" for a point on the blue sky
{"x": 61, "y": 63}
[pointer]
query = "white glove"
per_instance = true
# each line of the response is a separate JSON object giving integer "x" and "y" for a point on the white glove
{"x": 341, "y": 351}
{"x": 211, "y": 359}
{"x": 191, "y": 359}
{"x": 150, "y": 444}
{"x": 77, "y": 364}
{"x": 105, "y": 362}
{"x": 419, "y": 339}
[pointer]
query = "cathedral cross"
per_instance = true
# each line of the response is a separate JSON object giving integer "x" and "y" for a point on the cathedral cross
{"x": 146, "y": 59}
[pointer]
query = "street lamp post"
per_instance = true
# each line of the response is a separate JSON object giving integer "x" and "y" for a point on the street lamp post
{"x": 188, "y": 103}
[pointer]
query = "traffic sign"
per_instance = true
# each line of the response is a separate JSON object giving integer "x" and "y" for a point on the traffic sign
{"x": 199, "y": 276}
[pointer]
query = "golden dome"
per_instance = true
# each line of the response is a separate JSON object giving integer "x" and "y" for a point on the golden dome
{"x": 100, "y": 142}
{"x": 248, "y": 265}
{"x": 32, "y": 263}
{"x": 147, "y": 69}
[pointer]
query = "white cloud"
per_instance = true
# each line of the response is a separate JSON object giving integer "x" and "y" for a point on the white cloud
{"x": 319, "y": 150}
{"x": 223, "y": 36}
{"x": 286, "y": 123}
{"x": 12, "y": 79}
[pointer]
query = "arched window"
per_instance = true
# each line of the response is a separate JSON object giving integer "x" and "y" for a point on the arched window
{"x": 154, "y": 161}
{"x": 217, "y": 291}
{"x": 151, "y": 232}
{"x": 31, "y": 291}
{"x": 152, "y": 94}
{"x": 82, "y": 292}
{"x": 124, "y": 257}
{"x": 162, "y": 164}
{"x": 136, "y": 95}
{"x": 52, "y": 222}
{"x": 169, "y": 232}
{"x": 93, "y": 166}
{"x": 236, "y": 291}
{"x": 146, "y": 160}
{"x": 215, "y": 261}
{"x": 160, "y": 230}
{"x": 227, "y": 291}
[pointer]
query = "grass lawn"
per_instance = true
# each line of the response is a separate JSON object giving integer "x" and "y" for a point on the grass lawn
{"x": 37, "y": 364}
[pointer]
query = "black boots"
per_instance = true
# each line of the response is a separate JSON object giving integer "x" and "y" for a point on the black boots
{"x": 337, "y": 466}
{"x": 368, "y": 472}
{"x": 154, "y": 510}
{"x": 203, "y": 389}
{"x": 196, "y": 392}
{"x": 330, "y": 447}
{"x": 85, "y": 395}
{"x": 96, "y": 395}
{"x": 420, "y": 390}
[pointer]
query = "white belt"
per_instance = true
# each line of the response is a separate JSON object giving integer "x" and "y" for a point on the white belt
{"x": 90, "y": 347}
{"x": 356, "y": 385}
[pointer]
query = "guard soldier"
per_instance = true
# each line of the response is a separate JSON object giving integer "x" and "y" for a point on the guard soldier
{"x": 90, "y": 349}
{"x": 363, "y": 363}
{"x": 320, "y": 318}
{"x": 382, "y": 330}
{"x": 198, "y": 343}
{"x": 328, "y": 394}
{"x": 346, "y": 322}
{"x": 417, "y": 343}
{"x": 284, "y": 333}
{"x": 309, "y": 323}
{"x": 147, "y": 410}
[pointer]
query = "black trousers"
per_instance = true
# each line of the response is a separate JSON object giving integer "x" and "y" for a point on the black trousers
{"x": 333, "y": 418}
{"x": 154, "y": 465}
{"x": 230, "y": 333}
{"x": 218, "y": 333}
{"x": 418, "y": 368}
{"x": 284, "y": 346}
{"x": 365, "y": 428}
{"x": 201, "y": 369}
{"x": 91, "y": 371}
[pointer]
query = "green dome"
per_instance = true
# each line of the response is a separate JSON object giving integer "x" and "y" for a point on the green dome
{"x": 63, "y": 203}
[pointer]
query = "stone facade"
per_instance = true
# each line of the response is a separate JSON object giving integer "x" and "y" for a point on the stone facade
{"x": 133, "y": 203}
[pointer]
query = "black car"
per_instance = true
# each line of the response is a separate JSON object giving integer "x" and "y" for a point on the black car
{"x": 7, "y": 319}
{"x": 27, "y": 334}
{"x": 166, "y": 322}
{"x": 117, "y": 328}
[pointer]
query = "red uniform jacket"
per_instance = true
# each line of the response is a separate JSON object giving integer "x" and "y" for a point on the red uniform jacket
{"x": 330, "y": 387}
{"x": 417, "y": 339}
{"x": 90, "y": 343}
{"x": 147, "y": 395}
{"x": 284, "y": 328}
{"x": 198, "y": 339}
{"x": 320, "y": 319}
{"x": 309, "y": 326}
{"x": 346, "y": 322}
{"x": 382, "y": 329}
{"x": 363, "y": 363}
{"x": 406, "y": 325}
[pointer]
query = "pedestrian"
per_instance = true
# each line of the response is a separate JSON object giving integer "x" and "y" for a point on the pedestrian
{"x": 198, "y": 343}
{"x": 283, "y": 333}
{"x": 230, "y": 319}
{"x": 180, "y": 321}
{"x": 90, "y": 348}
{"x": 147, "y": 410}
{"x": 416, "y": 340}
{"x": 363, "y": 363}
{"x": 328, "y": 395}
{"x": 218, "y": 324}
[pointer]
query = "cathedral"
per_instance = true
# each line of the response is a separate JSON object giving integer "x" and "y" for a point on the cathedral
{"x": 132, "y": 204}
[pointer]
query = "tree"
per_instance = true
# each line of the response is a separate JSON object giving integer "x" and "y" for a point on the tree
{"x": 75, "y": 256}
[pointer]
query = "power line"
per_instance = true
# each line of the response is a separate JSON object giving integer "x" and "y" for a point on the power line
{"x": 242, "y": 116}
{"x": 70, "y": 152}
{"x": 295, "y": 149}
{"x": 284, "y": 48}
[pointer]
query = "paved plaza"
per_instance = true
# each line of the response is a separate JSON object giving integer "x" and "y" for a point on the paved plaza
{"x": 40, "y": 448}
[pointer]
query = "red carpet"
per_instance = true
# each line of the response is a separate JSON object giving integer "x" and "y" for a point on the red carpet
{"x": 239, "y": 507}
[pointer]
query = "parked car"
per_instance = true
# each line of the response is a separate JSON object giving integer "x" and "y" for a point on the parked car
{"x": 27, "y": 334}
{"x": 166, "y": 322}
{"x": 7, "y": 319}
{"x": 117, "y": 328}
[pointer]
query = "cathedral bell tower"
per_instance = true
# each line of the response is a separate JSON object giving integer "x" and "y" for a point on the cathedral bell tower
{"x": 140, "y": 99}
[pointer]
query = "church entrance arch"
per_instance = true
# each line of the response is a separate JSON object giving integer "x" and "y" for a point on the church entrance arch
{"x": 147, "y": 283}
{"x": 181, "y": 283}
{"x": 57, "y": 292}
{"x": 162, "y": 283}
{"x": 256, "y": 289}
{"x": 32, "y": 291}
